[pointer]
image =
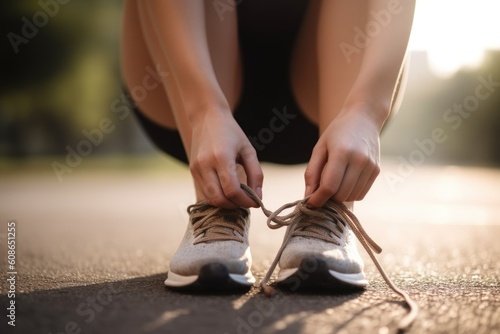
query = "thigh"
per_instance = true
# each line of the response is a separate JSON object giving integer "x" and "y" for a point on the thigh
{"x": 304, "y": 65}
{"x": 137, "y": 65}
{"x": 222, "y": 40}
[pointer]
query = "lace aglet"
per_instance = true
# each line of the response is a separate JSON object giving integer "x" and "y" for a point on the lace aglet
{"x": 269, "y": 291}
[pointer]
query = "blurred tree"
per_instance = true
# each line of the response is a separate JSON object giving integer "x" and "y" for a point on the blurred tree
{"x": 63, "y": 74}
{"x": 475, "y": 141}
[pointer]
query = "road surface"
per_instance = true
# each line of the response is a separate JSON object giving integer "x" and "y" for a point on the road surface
{"x": 92, "y": 253}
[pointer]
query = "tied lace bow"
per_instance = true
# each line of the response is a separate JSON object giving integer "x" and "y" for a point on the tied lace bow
{"x": 341, "y": 215}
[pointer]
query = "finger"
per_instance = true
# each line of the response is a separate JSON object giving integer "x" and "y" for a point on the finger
{"x": 312, "y": 175}
{"x": 230, "y": 183}
{"x": 369, "y": 183}
{"x": 331, "y": 178}
{"x": 361, "y": 183}
{"x": 214, "y": 192}
{"x": 364, "y": 180}
{"x": 357, "y": 165}
{"x": 253, "y": 170}
{"x": 347, "y": 183}
{"x": 209, "y": 182}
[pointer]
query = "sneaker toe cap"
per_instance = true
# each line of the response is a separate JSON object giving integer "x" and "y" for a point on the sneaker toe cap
{"x": 343, "y": 259}
{"x": 235, "y": 256}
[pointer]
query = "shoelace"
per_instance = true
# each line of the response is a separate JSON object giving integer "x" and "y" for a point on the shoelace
{"x": 343, "y": 214}
{"x": 217, "y": 224}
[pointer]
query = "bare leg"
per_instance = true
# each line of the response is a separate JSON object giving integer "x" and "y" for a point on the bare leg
{"x": 136, "y": 58}
{"x": 309, "y": 58}
{"x": 141, "y": 49}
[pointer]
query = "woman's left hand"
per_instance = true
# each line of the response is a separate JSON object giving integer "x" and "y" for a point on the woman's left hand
{"x": 345, "y": 161}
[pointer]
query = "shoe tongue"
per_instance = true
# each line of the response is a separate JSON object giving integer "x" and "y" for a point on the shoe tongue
{"x": 229, "y": 219}
{"x": 232, "y": 216}
{"x": 229, "y": 216}
{"x": 311, "y": 226}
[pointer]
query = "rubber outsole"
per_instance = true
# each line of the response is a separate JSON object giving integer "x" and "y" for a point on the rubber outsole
{"x": 313, "y": 274}
{"x": 213, "y": 277}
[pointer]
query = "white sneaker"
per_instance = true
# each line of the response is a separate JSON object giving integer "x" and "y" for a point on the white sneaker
{"x": 214, "y": 253}
{"x": 320, "y": 251}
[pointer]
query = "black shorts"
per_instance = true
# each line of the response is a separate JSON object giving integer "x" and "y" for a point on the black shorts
{"x": 267, "y": 111}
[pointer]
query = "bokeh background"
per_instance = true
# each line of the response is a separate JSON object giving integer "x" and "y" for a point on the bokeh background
{"x": 119, "y": 215}
{"x": 64, "y": 79}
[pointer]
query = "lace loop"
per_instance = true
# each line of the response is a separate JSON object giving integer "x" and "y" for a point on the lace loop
{"x": 340, "y": 214}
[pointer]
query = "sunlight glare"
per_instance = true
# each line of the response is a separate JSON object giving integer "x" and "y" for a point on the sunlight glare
{"x": 455, "y": 33}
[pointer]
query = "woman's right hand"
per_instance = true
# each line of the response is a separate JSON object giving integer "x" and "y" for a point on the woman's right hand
{"x": 218, "y": 146}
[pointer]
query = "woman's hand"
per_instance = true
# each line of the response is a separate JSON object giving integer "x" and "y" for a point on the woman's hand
{"x": 218, "y": 146}
{"x": 345, "y": 161}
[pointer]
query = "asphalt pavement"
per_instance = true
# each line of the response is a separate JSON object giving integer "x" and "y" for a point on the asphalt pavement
{"x": 92, "y": 252}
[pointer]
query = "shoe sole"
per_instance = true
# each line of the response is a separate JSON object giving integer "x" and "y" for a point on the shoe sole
{"x": 212, "y": 277}
{"x": 314, "y": 274}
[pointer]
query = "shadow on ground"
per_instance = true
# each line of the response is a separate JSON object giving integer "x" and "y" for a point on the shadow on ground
{"x": 143, "y": 304}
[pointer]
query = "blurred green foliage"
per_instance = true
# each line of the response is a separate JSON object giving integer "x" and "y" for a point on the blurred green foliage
{"x": 62, "y": 79}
